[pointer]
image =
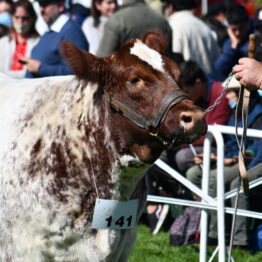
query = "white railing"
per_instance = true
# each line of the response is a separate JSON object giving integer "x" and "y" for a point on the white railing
{"x": 208, "y": 202}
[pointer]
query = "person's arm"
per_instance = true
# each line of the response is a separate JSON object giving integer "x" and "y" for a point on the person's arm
{"x": 256, "y": 152}
{"x": 71, "y": 34}
{"x": 249, "y": 73}
{"x": 226, "y": 59}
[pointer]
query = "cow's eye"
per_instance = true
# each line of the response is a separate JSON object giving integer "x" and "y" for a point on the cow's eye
{"x": 134, "y": 80}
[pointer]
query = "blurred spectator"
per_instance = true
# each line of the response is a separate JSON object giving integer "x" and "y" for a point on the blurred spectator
{"x": 157, "y": 5}
{"x": 253, "y": 157}
{"x": 204, "y": 92}
{"x": 5, "y": 16}
{"x": 216, "y": 20}
{"x": 239, "y": 28}
{"x": 132, "y": 20}
{"x": 258, "y": 31}
{"x": 258, "y": 21}
{"x": 20, "y": 41}
{"x": 194, "y": 174}
{"x": 93, "y": 26}
{"x": 79, "y": 13}
{"x": 191, "y": 36}
{"x": 46, "y": 59}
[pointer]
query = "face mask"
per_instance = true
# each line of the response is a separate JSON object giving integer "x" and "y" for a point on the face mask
{"x": 5, "y": 19}
{"x": 22, "y": 28}
{"x": 232, "y": 104}
{"x": 225, "y": 23}
{"x": 259, "y": 92}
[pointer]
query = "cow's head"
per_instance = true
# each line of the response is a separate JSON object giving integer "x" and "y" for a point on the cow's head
{"x": 148, "y": 108}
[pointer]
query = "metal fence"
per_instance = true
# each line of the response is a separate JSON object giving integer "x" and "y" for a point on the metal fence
{"x": 216, "y": 132}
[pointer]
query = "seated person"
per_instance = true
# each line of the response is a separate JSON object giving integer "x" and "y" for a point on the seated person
{"x": 231, "y": 175}
{"x": 231, "y": 171}
{"x": 46, "y": 59}
{"x": 204, "y": 92}
{"x": 194, "y": 174}
{"x": 239, "y": 28}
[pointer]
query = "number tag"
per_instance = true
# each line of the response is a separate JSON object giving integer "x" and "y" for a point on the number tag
{"x": 113, "y": 214}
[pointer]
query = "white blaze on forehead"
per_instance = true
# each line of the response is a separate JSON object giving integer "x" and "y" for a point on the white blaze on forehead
{"x": 148, "y": 55}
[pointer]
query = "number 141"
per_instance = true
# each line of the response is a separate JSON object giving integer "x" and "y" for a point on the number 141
{"x": 120, "y": 221}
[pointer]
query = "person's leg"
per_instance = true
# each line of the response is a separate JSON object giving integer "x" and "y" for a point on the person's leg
{"x": 194, "y": 175}
{"x": 184, "y": 158}
{"x": 229, "y": 174}
{"x": 240, "y": 236}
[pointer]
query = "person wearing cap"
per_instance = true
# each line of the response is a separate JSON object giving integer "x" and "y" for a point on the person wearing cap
{"x": 46, "y": 59}
{"x": 239, "y": 28}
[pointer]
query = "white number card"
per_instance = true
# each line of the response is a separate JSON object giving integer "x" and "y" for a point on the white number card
{"x": 113, "y": 214}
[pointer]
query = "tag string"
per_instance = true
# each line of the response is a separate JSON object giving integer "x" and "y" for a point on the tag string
{"x": 94, "y": 180}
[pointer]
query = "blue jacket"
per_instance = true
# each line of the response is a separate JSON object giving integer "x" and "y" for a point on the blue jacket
{"x": 48, "y": 50}
{"x": 231, "y": 146}
{"x": 256, "y": 148}
{"x": 228, "y": 58}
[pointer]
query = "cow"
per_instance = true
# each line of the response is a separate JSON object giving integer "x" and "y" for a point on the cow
{"x": 68, "y": 141}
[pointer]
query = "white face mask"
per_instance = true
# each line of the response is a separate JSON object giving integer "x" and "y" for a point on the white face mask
{"x": 22, "y": 28}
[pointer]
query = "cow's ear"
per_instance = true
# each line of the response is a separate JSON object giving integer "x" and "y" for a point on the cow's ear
{"x": 156, "y": 40}
{"x": 85, "y": 65}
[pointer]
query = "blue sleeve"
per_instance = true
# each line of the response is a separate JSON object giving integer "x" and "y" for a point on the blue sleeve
{"x": 74, "y": 35}
{"x": 257, "y": 149}
{"x": 226, "y": 60}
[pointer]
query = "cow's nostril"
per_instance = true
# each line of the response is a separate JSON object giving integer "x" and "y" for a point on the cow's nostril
{"x": 186, "y": 119}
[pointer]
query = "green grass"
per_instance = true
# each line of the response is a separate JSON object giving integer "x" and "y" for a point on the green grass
{"x": 156, "y": 248}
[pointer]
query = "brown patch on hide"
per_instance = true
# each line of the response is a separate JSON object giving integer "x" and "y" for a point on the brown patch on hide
{"x": 36, "y": 147}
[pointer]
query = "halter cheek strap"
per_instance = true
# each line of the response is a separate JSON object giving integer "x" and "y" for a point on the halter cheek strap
{"x": 151, "y": 123}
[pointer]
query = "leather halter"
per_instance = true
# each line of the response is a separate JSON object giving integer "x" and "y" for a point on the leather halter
{"x": 151, "y": 123}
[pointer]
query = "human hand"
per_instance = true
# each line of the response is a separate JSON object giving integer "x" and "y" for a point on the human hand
{"x": 198, "y": 159}
{"x": 32, "y": 64}
{"x": 249, "y": 73}
{"x": 234, "y": 40}
{"x": 230, "y": 161}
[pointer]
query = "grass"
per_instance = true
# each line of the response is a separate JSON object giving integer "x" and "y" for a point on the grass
{"x": 156, "y": 248}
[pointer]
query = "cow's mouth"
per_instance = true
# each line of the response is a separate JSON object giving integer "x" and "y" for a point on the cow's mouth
{"x": 186, "y": 139}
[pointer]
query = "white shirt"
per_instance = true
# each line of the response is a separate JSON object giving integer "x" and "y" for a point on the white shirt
{"x": 193, "y": 39}
{"x": 59, "y": 23}
{"x": 94, "y": 34}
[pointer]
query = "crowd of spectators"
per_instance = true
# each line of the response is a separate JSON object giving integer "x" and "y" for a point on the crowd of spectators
{"x": 206, "y": 48}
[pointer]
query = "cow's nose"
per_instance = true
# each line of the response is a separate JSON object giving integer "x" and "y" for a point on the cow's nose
{"x": 191, "y": 120}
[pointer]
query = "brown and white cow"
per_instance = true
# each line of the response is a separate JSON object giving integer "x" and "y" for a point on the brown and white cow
{"x": 66, "y": 141}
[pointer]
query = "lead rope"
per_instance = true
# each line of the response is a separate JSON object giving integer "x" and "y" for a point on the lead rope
{"x": 243, "y": 178}
{"x": 244, "y": 101}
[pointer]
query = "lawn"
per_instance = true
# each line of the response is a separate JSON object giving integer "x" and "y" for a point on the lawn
{"x": 156, "y": 248}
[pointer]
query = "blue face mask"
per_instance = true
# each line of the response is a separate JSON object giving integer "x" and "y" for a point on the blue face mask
{"x": 5, "y": 19}
{"x": 259, "y": 92}
{"x": 232, "y": 104}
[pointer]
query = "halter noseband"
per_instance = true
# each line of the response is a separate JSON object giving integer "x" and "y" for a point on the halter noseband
{"x": 151, "y": 123}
